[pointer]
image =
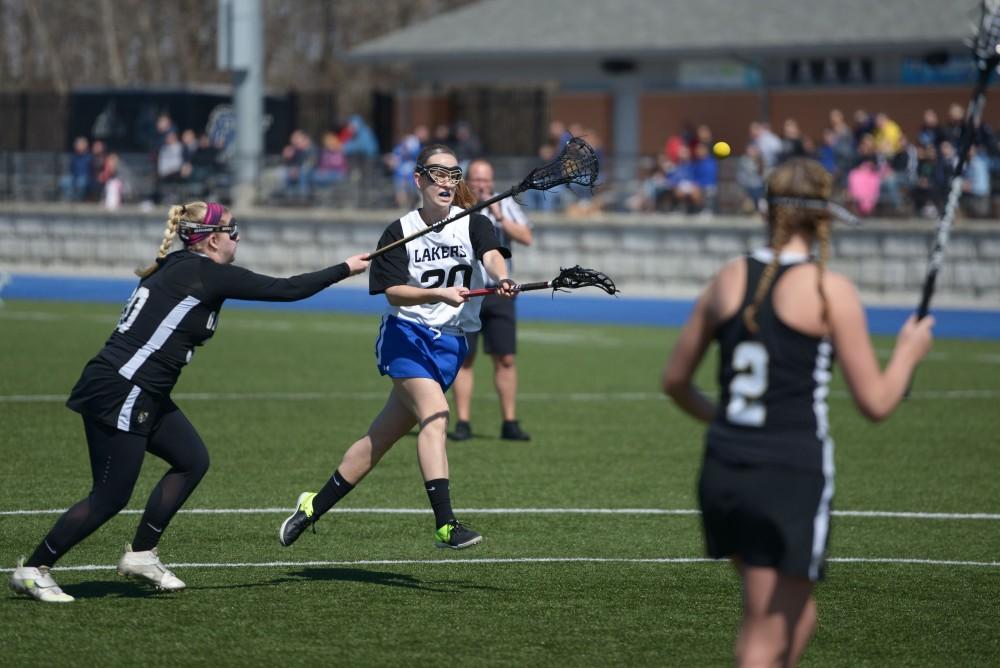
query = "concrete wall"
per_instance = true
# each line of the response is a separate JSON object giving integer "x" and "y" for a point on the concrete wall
{"x": 649, "y": 256}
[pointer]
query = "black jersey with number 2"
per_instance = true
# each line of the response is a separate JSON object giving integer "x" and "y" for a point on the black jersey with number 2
{"x": 774, "y": 385}
{"x": 169, "y": 314}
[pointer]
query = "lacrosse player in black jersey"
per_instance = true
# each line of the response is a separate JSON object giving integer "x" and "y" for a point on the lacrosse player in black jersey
{"x": 766, "y": 483}
{"x": 124, "y": 391}
{"x": 421, "y": 342}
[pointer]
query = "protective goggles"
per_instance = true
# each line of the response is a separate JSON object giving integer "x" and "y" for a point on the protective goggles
{"x": 441, "y": 175}
{"x": 191, "y": 231}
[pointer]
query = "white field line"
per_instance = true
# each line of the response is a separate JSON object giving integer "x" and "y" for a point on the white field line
{"x": 521, "y": 560}
{"x": 527, "y": 396}
{"x": 527, "y": 511}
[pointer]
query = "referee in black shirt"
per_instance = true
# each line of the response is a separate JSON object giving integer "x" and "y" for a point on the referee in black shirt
{"x": 124, "y": 392}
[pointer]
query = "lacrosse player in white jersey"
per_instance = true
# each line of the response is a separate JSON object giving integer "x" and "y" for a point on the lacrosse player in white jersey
{"x": 421, "y": 342}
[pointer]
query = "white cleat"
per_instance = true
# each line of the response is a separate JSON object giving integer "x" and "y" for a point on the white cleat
{"x": 38, "y": 584}
{"x": 147, "y": 566}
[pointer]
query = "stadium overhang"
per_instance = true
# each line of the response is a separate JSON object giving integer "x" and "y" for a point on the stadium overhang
{"x": 628, "y": 46}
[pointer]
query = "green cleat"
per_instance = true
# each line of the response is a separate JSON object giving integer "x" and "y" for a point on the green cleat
{"x": 456, "y": 536}
{"x": 297, "y": 522}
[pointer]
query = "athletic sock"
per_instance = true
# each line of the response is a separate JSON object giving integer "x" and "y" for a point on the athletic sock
{"x": 146, "y": 537}
{"x": 440, "y": 497}
{"x": 333, "y": 491}
{"x": 42, "y": 556}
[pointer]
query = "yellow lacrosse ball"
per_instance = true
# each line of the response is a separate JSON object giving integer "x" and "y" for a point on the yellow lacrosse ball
{"x": 721, "y": 149}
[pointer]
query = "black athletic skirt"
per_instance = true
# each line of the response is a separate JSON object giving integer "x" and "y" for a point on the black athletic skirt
{"x": 103, "y": 395}
{"x": 767, "y": 516}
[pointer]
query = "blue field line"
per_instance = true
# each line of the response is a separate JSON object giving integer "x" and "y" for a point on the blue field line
{"x": 352, "y": 297}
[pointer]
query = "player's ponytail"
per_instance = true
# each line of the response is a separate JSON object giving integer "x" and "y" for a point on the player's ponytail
{"x": 464, "y": 197}
{"x": 795, "y": 178}
{"x": 176, "y": 213}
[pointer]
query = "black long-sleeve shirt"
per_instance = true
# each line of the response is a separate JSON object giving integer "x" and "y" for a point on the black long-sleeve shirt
{"x": 176, "y": 309}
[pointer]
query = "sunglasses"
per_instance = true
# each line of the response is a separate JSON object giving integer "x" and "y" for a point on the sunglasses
{"x": 441, "y": 175}
{"x": 232, "y": 228}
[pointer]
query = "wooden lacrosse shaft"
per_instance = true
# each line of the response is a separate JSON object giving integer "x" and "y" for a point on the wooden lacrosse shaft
{"x": 520, "y": 287}
{"x": 440, "y": 224}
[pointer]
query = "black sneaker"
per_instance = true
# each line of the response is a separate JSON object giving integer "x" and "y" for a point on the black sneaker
{"x": 296, "y": 523}
{"x": 511, "y": 431}
{"x": 456, "y": 535}
{"x": 463, "y": 431}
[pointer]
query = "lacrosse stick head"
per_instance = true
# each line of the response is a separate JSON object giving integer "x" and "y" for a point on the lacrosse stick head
{"x": 581, "y": 277}
{"x": 985, "y": 40}
{"x": 576, "y": 164}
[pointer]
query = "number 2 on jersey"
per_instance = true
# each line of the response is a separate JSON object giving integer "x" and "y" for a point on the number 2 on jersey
{"x": 748, "y": 385}
{"x": 132, "y": 307}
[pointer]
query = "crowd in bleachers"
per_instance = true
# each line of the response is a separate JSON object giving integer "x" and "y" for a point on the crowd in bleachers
{"x": 879, "y": 168}
{"x": 182, "y": 165}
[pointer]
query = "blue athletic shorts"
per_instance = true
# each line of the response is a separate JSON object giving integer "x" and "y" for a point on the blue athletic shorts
{"x": 407, "y": 349}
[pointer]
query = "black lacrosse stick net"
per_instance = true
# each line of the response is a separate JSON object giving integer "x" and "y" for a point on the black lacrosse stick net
{"x": 581, "y": 277}
{"x": 576, "y": 164}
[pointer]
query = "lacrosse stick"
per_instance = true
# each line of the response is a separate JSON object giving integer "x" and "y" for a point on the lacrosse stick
{"x": 568, "y": 279}
{"x": 576, "y": 164}
{"x": 984, "y": 44}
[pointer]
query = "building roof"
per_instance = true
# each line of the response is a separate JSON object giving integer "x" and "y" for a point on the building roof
{"x": 511, "y": 29}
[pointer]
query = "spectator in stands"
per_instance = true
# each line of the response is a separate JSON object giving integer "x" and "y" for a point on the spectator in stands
{"x": 442, "y": 135}
{"x": 792, "y": 145}
{"x": 976, "y": 185}
{"x": 767, "y": 142}
{"x": 686, "y": 190}
{"x": 897, "y": 177}
{"x": 827, "y": 153}
{"x": 164, "y": 126}
{"x": 359, "y": 140}
{"x": 702, "y": 135}
{"x": 467, "y": 144}
{"x": 888, "y": 135}
{"x": 98, "y": 154}
{"x": 332, "y": 165}
{"x": 299, "y": 158}
{"x": 931, "y": 131}
{"x": 554, "y": 199}
{"x": 864, "y": 124}
{"x": 944, "y": 168}
{"x": 671, "y": 148}
{"x": 114, "y": 183}
{"x": 75, "y": 183}
{"x": 205, "y": 163}
{"x": 558, "y": 135}
{"x": 189, "y": 144}
{"x": 953, "y": 128}
{"x": 750, "y": 176}
{"x": 705, "y": 170}
{"x": 923, "y": 185}
{"x": 402, "y": 163}
{"x": 170, "y": 159}
{"x": 863, "y": 185}
{"x": 652, "y": 181}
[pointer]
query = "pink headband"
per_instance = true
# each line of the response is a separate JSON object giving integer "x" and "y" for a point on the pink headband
{"x": 213, "y": 215}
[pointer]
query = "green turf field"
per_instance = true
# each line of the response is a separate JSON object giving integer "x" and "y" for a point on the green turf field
{"x": 278, "y": 396}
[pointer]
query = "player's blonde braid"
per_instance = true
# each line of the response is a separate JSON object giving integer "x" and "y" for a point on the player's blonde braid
{"x": 779, "y": 237}
{"x": 176, "y": 213}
